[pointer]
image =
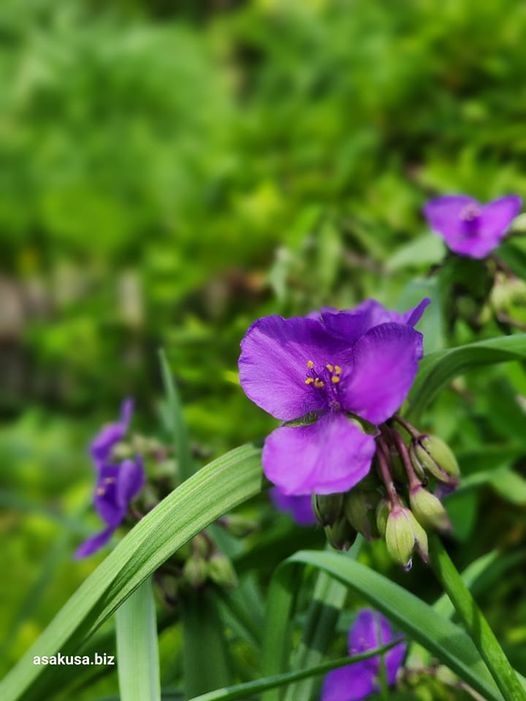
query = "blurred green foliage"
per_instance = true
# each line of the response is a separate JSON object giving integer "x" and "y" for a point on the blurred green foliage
{"x": 173, "y": 170}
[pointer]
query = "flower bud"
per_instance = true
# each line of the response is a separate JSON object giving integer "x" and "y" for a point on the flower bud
{"x": 341, "y": 535}
{"x": 195, "y": 572}
{"x": 360, "y": 510}
{"x": 433, "y": 455}
{"x": 506, "y": 292}
{"x": 221, "y": 571}
{"x": 382, "y": 513}
{"x": 327, "y": 507}
{"x": 428, "y": 509}
{"x": 239, "y": 525}
{"x": 403, "y": 534}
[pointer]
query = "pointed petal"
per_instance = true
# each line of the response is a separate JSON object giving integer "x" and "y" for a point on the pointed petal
{"x": 385, "y": 364}
{"x": 105, "y": 499}
{"x": 273, "y": 364}
{"x": 350, "y": 683}
{"x": 93, "y": 543}
{"x": 331, "y": 455}
{"x": 495, "y": 220}
{"x": 299, "y": 508}
{"x": 130, "y": 481}
{"x": 443, "y": 215}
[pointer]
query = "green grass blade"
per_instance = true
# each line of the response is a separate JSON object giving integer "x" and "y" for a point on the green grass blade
{"x": 418, "y": 620}
{"x": 174, "y": 420}
{"x": 214, "y": 490}
{"x": 327, "y": 601}
{"x": 437, "y": 369}
{"x": 137, "y": 650}
{"x": 247, "y": 690}
{"x": 475, "y": 623}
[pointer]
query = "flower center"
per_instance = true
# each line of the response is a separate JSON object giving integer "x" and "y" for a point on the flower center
{"x": 329, "y": 375}
{"x": 470, "y": 213}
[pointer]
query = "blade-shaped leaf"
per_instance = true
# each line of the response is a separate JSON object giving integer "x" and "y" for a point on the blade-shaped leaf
{"x": 418, "y": 620}
{"x": 215, "y": 489}
{"x": 437, "y": 369}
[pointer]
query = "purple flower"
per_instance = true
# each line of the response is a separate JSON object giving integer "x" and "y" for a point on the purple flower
{"x": 354, "y": 682}
{"x": 299, "y": 508}
{"x": 360, "y": 362}
{"x": 117, "y": 483}
{"x": 468, "y": 227}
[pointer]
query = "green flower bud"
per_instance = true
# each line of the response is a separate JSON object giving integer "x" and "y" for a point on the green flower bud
{"x": 428, "y": 509}
{"x": 360, "y": 510}
{"x": 403, "y": 535}
{"x": 221, "y": 571}
{"x": 341, "y": 535}
{"x": 239, "y": 525}
{"x": 431, "y": 454}
{"x": 327, "y": 507}
{"x": 506, "y": 292}
{"x": 195, "y": 571}
{"x": 382, "y": 514}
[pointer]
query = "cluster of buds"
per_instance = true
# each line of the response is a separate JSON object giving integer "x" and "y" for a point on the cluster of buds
{"x": 394, "y": 501}
{"x": 198, "y": 565}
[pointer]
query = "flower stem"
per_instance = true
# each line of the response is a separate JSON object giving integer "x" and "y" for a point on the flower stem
{"x": 475, "y": 623}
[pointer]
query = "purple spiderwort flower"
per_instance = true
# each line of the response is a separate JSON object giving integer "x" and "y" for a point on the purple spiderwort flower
{"x": 361, "y": 362}
{"x": 299, "y": 508}
{"x": 357, "y": 681}
{"x": 469, "y": 228}
{"x": 117, "y": 483}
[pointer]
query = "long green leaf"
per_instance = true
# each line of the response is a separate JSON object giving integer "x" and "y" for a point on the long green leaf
{"x": 174, "y": 420}
{"x": 244, "y": 691}
{"x": 475, "y": 623}
{"x": 214, "y": 490}
{"x": 437, "y": 369}
{"x": 418, "y": 620}
{"x": 137, "y": 650}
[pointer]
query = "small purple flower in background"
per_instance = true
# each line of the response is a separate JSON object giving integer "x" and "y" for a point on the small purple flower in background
{"x": 353, "y": 682}
{"x": 469, "y": 228}
{"x": 298, "y": 508}
{"x": 117, "y": 483}
{"x": 361, "y": 362}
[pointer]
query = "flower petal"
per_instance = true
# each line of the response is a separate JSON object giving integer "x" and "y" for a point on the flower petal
{"x": 273, "y": 364}
{"x": 299, "y": 508}
{"x": 105, "y": 499}
{"x": 331, "y": 455}
{"x": 495, "y": 220}
{"x": 130, "y": 481}
{"x": 350, "y": 683}
{"x": 110, "y": 435}
{"x": 444, "y": 215}
{"x": 93, "y": 543}
{"x": 385, "y": 364}
{"x": 351, "y": 325}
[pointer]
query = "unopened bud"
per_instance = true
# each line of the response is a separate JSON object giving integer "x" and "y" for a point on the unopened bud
{"x": 428, "y": 509}
{"x": 341, "y": 535}
{"x": 327, "y": 507}
{"x": 221, "y": 571}
{"x": 507, "y": 292}
{"x": 431, "y": 454}
{"x": 238, "y": 525}
{"x": 360, "y": 509}
{"x": 195, "y": 571}
{"x": 382, "y": 514}
{"x": 404, "y": 535}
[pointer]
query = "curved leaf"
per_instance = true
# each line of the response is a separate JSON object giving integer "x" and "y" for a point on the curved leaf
{"x": 418, "y": 620}
{"x": 201, "y": 499}
{"x": 437, "y": 369}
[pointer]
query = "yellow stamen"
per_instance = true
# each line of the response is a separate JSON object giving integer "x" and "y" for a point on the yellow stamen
{"x": 335, "y": 379}
{"x": 319, "y": 383}
{"x": 330, "y": 367}
{"x": 337, "y": 370}
{"x": 101, "y": 491}
{"x": 310, "y": 364}
{"x": 309, "y": 380}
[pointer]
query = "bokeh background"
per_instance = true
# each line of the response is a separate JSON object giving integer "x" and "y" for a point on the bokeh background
{"x": 171, "y": 171}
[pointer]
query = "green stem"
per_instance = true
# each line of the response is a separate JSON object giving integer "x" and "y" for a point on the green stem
{"x": 137, "y": 651}
{"x": 475, "y": 623}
